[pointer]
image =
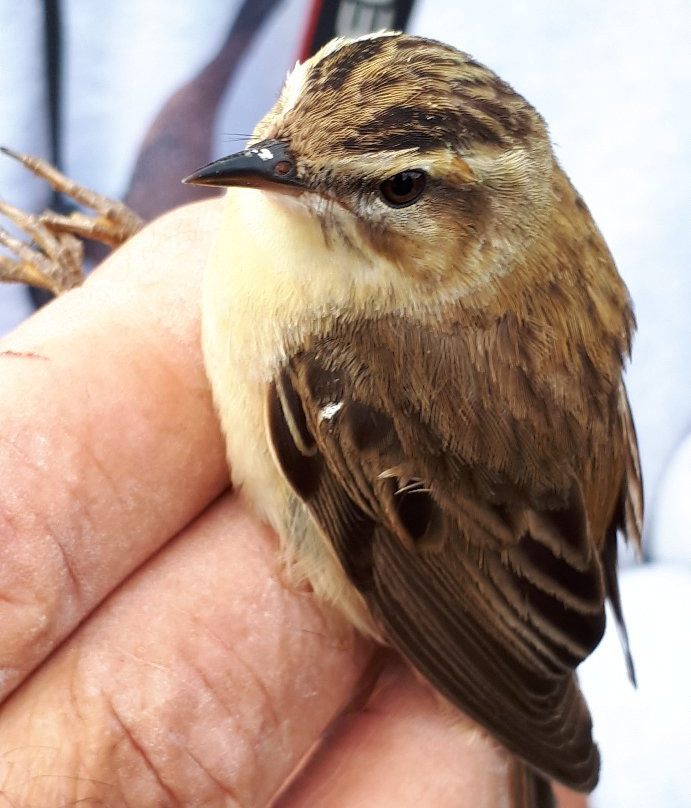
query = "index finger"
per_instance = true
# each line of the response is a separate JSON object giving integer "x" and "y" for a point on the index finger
{"x": 108, "y": 440}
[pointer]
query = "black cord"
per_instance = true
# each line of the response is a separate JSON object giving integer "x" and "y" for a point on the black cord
{"x": 52, "y": 49}
{"x": 53, "y": 71}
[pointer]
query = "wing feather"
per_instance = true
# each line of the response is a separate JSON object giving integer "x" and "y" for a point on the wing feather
{"x": 485, "y": 578}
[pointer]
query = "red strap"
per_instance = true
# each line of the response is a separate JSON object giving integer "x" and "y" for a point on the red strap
{"x": 330, "y": 18}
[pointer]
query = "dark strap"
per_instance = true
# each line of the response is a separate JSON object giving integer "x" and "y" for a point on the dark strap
{"x": 53, "y": 69}
{"x": 52, "y": 44}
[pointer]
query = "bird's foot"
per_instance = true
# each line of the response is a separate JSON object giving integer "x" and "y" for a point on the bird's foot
{"x": 55, "y": 259}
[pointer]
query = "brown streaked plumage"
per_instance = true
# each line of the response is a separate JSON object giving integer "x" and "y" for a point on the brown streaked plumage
{"x": 415, "y": 336}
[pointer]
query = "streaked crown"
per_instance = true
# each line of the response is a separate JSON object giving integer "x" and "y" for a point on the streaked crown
{"x": 361, "y": 112}
{"x": 390, "y": 91}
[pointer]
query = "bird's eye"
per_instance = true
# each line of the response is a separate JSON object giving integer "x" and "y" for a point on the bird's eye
{"x": 404, "y": 188}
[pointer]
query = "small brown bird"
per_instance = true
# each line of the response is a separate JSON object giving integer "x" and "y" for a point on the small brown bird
{"x": 415, "y": 334}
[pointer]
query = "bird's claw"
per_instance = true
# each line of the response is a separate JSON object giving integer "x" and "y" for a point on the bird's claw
{"x": 55, "y": 259}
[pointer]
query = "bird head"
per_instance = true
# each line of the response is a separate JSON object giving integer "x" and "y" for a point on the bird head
{"x": 408, "y": 152}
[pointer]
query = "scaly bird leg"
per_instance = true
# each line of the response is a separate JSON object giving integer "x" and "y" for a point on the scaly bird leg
{"x": 55, "y": 261}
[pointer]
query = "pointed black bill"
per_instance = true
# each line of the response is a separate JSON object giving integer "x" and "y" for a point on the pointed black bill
{"x": 265, "y": 165}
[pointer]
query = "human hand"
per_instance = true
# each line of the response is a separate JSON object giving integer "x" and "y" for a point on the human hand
{"x": 151, "y": 653}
